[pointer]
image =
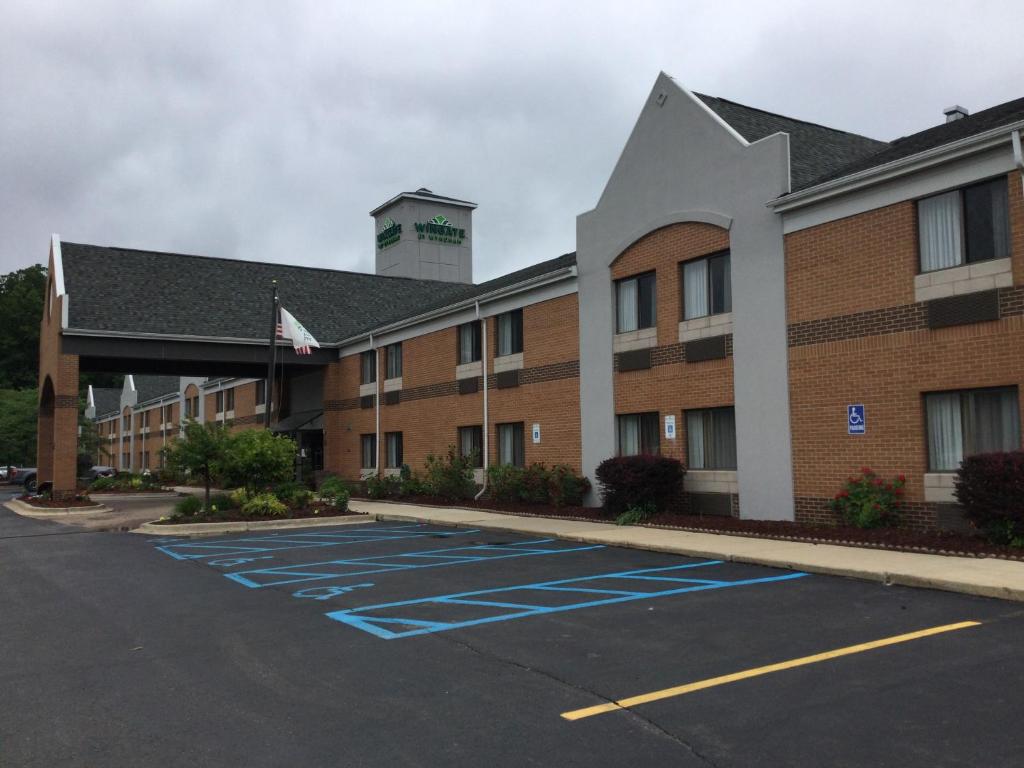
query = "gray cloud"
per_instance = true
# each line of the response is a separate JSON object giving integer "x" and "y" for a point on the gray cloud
{"x": 268, "y": 131}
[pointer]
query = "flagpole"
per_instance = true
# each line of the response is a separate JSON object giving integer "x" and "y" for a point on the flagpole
{"x": 271, "y": 355}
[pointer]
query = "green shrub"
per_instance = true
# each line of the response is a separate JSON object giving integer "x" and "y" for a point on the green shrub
{"x": 867, "y": 501}
{"x": 637, "y": 515}
{"x": 505, "y": 482}
{"x": 102, "y": 484}
{"x": 383, "y": 487}
{"x": 223, "y": 501}
{"x": 294, "y": 494}
{"x": 257, "y": 459}
{"x": 409, "y": 483}
{"x": 450, "y": 476}
{"x": 567, "y": 489}
{"x": 990, "y": 488}
{"x": 264, "y": 505}
{"x": 332, "y": 489}
{"x": 188, "y": 506}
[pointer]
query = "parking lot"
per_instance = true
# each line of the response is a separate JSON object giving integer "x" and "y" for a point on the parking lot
{"x": 406, "y": 644}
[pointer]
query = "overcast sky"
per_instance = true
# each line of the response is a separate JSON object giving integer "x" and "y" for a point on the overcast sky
{"x": 267, "y": 131}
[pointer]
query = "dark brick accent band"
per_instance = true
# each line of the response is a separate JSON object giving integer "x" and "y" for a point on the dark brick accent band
{"x": 65, "y": 401}
{"x": 712, "y": 348}
{"x": 967, "y": 309}
{"x": 254, "y": 418}
{"x": 634, "y": 360}
{"x": 674, "y": 353}
{"x": 878, "y": 322}
{"x": 506, "y": 379}
{"x": 341, "y": 405}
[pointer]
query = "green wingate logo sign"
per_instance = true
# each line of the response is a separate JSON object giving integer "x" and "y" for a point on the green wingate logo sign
{"x": 389, "y": 233}
{"x": 440, "y": 230}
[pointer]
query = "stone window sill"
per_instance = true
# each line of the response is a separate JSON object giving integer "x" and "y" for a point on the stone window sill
{"x": 368, "y": 389}
{"x": 469, "y": 370}
{"x": 644, "y": 338}
{"x": 968, "y": 278}
{"x": 711, "y": 481}
{"x": 705, "y": 327}
{"x": 393, "y": 385}
{"x": 508, "y": 363}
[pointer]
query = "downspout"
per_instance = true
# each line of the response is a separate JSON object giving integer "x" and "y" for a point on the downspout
{"x": 376, "y": 407}
{"x": 1018, "y": 156}
{"x": 483, "y": 364}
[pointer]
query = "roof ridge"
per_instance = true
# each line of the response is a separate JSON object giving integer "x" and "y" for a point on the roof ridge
{"x": 787, "y": 117}
{"x": 971, "y": 117}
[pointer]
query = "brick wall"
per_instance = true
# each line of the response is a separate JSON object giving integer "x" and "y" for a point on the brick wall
{"x": 857, "y": 336}
{"x": 671, "y": 385}
{"x": 430, "y": 410}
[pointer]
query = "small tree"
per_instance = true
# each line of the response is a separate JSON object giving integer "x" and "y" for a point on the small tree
{"x": 258, "y": 459}
{"x": 202, "y": 451}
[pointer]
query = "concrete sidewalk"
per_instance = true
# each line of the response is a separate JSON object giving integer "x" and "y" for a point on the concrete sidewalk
{"x": 988, "y": 577}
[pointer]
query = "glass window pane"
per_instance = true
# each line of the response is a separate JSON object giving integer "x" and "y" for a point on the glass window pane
{"x": 723, "y": 438}
{"x": 695, "y": 439}
{"x": 629, "y": 435}
{"x": 626, "y": 306}
{"x": 938, "y": 223}
{"x": 505, "y": 340}
{"x": 721, "y": 285}
{"x": 650, "y": 433}
{"x": 945, "y": 433}
{"x": 646, "y": 301}
{"x": 991, "y": 421}
{"x": 695, "y": 289}
{"x": 987, "y": 223}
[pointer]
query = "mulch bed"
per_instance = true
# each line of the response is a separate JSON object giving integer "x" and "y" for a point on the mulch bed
{"x": 44, "y": 503}
{"x": 314, "y": 511}
{"x": 896, "y": 539}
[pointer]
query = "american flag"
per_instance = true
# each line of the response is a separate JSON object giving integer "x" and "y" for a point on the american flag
{"x": 292, "y": 330}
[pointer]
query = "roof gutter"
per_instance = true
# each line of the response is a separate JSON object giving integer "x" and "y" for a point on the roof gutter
{"x": 477, "y": 301}
{"x": 905, "y": 165}
{"x": 1018, "y": 156}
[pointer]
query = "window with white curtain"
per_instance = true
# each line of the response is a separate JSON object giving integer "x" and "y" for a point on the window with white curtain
{"x": 635, "y": 303}
{"x": 511, "y": 449}
{"x": 368, "y": 367}
{"x": 393, "y": 445}
{"x": 468, "y": 343}
{"x": 394, "y": 360}
{"x": 964, "y": 226}
{"x": 509, "y": 331}
{"x": 707, "y": 286}
{"x": 471, "y": 444}
{"x": 638, "y": 433}
{"x": 711, "y": 438}
{"x": 971, "y": 421}
{"x": 368, "y": 449}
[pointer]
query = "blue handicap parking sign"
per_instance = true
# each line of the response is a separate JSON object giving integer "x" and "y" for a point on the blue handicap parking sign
{"x": 856, "y": 422}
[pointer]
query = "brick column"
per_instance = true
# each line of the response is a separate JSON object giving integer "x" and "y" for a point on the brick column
{"x": 65, "y": 427}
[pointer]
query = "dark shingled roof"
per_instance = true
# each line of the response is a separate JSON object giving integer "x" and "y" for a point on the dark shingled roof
{"x": 937, "y": 136}
{"x": 107, "y": 400}
{"x": 182, "y": 295}
{"x": 151, "y": 387}
{"x": 814, "y": 150}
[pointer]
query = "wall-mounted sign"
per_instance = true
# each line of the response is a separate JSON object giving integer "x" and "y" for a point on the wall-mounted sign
{"x": 440, "y": 230}
{"x": 536, "y": 433}
{"x": 856, "y": 420}
{"x": 389, "y": 234}
{"x": 670, "y": 427}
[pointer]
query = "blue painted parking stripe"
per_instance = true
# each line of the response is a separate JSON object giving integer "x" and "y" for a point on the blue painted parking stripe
{"x": 363, "y": 618}
{"x": 259, "y": 578}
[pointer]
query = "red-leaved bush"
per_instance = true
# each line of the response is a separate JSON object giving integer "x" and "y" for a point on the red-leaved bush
{"x": 635, "y": 481}
{"x": 990, "y": 488}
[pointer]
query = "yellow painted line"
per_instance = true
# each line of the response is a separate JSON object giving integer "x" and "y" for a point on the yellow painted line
{"x": 711, "y": 682}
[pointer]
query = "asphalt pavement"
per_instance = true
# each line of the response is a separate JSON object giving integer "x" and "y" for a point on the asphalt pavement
{"x": 404, "y": 644}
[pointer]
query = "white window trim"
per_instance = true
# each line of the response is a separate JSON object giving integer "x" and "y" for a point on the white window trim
{"x": 705, "y": 327}
{"x": 393, "y": 385}
{"x": 513, "y": 362}
{"x": 262, "y": 408}
{"x": 965, "y": 278}
{"x": 643, "y": 338}
{"x": 368, "y": 389}
{"x": 470, "y": 370}
{"x": 392, "y": 471}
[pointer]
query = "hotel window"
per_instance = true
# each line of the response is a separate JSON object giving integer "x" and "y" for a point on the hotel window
{"x": 220, "y": 401}
{"x": 229, "y": 399}
{"x": 638, "y": 433}
{"x": 168, "y": 416}
{"x": 394, "y": 360}
{"x": 471, "y": 444}
{"x": 393, "y": 444}
{"x": 635, "y": 303}
{"x": 968, "y": 422}
{"x": 510, "y": 445}
{"x": 964, "y": 226}
{"x": 469, "y": 343}
{"x": 707, "y": 286}
{"x": 509, "y": 331}
{"x": 368, "y": 367}
{"x": 711, "y": 438}
{"x": 261, "y": 392}
{"x": 126, "y": 422}
{"x": 368, "y": 449}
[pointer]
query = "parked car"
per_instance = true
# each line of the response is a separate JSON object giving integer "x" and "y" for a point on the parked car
{"x": 25, "y": 476}
{"x": 3, "y": 474}
{"x": 98, "y": 471}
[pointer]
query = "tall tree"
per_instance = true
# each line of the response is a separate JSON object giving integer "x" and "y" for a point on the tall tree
{"x": 18, "y": 427}
{"x": 21, "y": 309}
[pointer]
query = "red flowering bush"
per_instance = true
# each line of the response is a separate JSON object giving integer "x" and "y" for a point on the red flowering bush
{"x": 868, "y": 501}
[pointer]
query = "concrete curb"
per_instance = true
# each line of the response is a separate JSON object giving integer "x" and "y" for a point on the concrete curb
{"x": 241, "y": 526}
{"x": 984, "y": 577}
{"x": 27, "y": 510}
{"x": 133, "y": 496}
